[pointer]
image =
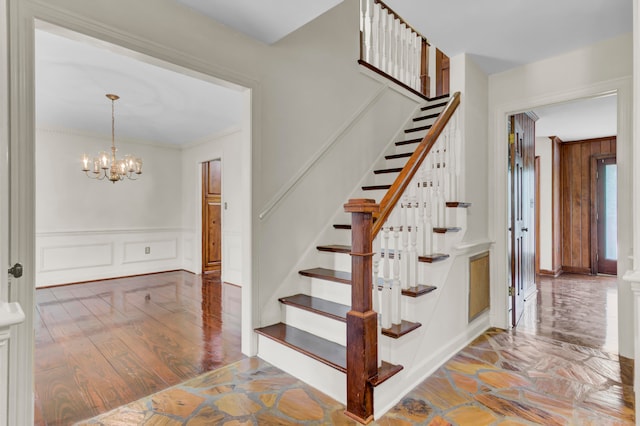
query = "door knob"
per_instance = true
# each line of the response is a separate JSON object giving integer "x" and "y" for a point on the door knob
{"x": 525, "y": 229}
{"x": 16, "y": 270}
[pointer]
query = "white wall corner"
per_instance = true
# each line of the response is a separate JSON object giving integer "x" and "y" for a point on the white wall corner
{"x": 635, "y": 288}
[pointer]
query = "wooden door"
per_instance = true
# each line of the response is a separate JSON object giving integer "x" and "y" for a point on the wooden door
{"x": 606, "y": 216}
{"x": 521, "y": 211}
{"x": 442, "y": 73}
{"x": 211, "y": 216}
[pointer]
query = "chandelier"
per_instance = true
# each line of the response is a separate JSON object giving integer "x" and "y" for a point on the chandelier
{"x": 107, "y": 166}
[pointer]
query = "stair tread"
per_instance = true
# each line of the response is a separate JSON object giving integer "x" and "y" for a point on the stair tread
{"x": 457, "y": 204}
{"x": 394, "y": 156}
{"x": 341, "y": 226}
{"x": 391, "y": 170}
{"x": 398, "y": 330}
{"x": 328, "y": 274}
{"x": 437, "y": 105}
{"x": 335, "y": 248}
{"x": 409, "y": 141}
{"x": 375, "y": 187}
{"x": 323, "y": 350}
{"x": 444, "y": 230}
{"x": 385, "y": 372}
{"x": 431, "y": 258}
{"x": 418, "y": 290}
{"x": 425, "y": 117}
{"x": 319, "y": 306}
{"x": 418, "y": 129}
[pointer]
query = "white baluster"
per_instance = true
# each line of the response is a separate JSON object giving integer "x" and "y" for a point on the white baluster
{"x": 368, "y": 20}
{"x": 404, "y": 266}
{"x": 422, "y": 237}
{"x": 407, "y": 55}
{"x": 382, "y": 38}
{"x": 385, "y": 305}
{"x": 428, "y": 213}
{"x": 413, "y": 220}
{"x": 376, "y": 292}
{"x": 375, "y": 35}
{"x": 395, "y": 288}
{"x": 418, "y": 60}
{"x": 390, "y": 44}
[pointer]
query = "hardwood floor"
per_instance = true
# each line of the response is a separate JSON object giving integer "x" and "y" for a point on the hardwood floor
{"x": 104, "y": 344}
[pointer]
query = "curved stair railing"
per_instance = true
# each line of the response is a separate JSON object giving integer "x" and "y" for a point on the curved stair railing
{"x": 388, "y": 242}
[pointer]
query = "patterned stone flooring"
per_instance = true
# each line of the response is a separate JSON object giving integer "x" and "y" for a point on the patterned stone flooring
{"x": 502, "y": 378}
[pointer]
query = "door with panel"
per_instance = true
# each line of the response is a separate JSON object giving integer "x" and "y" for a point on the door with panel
{"x": 211, "y": 217}
{"x": 521, "y": 211}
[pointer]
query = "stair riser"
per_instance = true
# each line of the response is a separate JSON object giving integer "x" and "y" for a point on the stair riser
{"x": 374, "y": 194}
{"x": 396, "y": 162}
{"x": 385, "y": 178}
{"x": 337, "y": 261}
{"x": 437, "y": 110}
{"x": 321, "y": 326}
{"x": 402, "y": 149}
{"x": 456, "y": 217}
{"x": 332, "y": 291}
{"x": 323, "y": 377}
{"x": 426, "y": 122}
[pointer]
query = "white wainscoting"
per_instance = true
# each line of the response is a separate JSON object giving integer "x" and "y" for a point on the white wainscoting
{"x": 75, "y": 256}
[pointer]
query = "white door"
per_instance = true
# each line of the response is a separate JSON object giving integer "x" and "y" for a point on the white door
{"x": 16, "y": 222}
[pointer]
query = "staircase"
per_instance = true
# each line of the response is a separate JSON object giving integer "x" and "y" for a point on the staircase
{"x": 311, "y": 340}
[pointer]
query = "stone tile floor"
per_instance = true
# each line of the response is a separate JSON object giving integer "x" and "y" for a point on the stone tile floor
{"x": 560, "y": 371}
{"x": 502, "y": 378}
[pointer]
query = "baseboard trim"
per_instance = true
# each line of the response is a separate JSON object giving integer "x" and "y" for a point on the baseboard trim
{"x": 549, "y": 273}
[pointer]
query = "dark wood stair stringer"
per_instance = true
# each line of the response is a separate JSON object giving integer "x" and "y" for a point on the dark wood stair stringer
{"x": 322, "y": 350}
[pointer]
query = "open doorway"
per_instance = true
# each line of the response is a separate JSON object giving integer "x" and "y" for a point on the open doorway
{"x": 145, "y": 231}
{"x": 575, "y": 207}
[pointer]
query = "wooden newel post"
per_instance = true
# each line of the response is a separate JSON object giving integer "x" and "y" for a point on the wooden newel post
{"x": 362, "y": 336}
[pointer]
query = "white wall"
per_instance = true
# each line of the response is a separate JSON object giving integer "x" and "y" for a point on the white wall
{"x": 595, "y": 69}
{"x": 226, "y": 147}
{"x": 543, "y": 150}
{"x": 467, "y": 78}
{"x": 88, "y": 229}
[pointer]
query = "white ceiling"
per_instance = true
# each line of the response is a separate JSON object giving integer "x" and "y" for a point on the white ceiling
{"x": 265, "y": 20}
{"x": 578, "y": 120}
{"x": 72, "y": 76}
{"x": 155, "y": 105}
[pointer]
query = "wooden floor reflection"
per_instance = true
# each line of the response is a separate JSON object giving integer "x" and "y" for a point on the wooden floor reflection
{"x": 580, "y": 309}
{"x": 103, "y": 344}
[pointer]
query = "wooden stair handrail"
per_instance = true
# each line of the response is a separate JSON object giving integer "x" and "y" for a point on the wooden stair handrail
{"x": 391, "y": 11}
{"x": 398, "y": 187}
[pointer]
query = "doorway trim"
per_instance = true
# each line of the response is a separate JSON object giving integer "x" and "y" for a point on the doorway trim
{"x": 498, "y": 163}
{"x": 23, "y": 18}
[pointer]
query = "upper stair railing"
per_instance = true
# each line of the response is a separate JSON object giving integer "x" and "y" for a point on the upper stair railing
{"x": 392, "y": 47}
{"x": 381, "y": 269}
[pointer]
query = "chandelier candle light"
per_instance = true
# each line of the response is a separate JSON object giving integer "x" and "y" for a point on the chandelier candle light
{"x": 107, "y": 166}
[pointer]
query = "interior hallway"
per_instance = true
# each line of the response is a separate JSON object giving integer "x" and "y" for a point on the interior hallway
{"x": 560, "y": 376}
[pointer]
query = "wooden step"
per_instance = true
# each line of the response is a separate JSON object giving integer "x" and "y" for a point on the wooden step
{"x": 435, "y": 98}
{"x": 393, "y": 170}
{"x": 322, "y": 350}
{"x": 395, "y": 156}
{"x": 409, "y": 141}
{"x": 398, "y": 330}
{"x": 345, "y": 278}
{"x": 335, "y": 248}
{"x": 419, "y": 290}
{"x": 438, "y": 105}
{"x": 375, "y": 187}
{"x": 328, "y": 274}
{"x": 425, "y": 117}
{"x": 418, "y": 129}
{"x": 341, "y": 226}
{"x": 459, "y": 204}
{"x": 385, "y": 372}
{"x": 447, "y": 230}
{"x": 318, "y": 306}
{"x": 432, "y": 258}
